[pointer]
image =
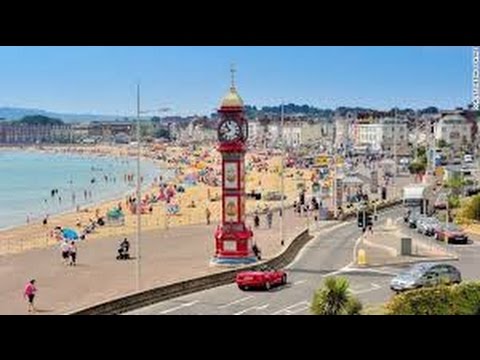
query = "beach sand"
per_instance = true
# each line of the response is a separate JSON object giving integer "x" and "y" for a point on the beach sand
{"x": 35, "y": 235}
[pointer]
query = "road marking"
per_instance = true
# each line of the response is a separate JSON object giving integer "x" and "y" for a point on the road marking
{"x": 263, "y": 307}
{"x": 178, "y": 307}
{"x": 235, "y": 302}
{"x": 302, "y": 305}
{"x": 371, "y": 270}
{"x": 299, "y": 282}
{"x": 346, "y": 268}
{"x": 373, "y": 288}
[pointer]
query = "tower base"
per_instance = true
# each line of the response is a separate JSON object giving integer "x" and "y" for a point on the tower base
{"x": 231, "y": 261}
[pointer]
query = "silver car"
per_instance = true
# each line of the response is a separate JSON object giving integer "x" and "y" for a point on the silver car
{"x": 427, "y": 226}
{"x": 426, "y": 274}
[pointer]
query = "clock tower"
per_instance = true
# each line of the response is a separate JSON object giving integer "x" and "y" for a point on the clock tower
{"x": 233, "y": 240}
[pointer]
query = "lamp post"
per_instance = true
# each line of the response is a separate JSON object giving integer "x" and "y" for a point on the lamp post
{"x": 139, "y": 190}
{"x": 282, "y": 182}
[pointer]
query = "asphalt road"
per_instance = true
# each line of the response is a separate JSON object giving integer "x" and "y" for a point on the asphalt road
{"x": 330, "y": 253}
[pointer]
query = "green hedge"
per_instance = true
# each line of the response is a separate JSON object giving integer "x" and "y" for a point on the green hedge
{"x": 463, "y": 299}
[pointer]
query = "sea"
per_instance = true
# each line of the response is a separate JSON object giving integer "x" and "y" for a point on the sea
{"x": 27, "y": 179}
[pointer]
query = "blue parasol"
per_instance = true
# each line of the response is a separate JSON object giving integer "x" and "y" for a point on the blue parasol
{"x": 69, "y": 234}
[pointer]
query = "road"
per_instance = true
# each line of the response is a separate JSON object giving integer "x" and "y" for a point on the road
{"x": 328, "y": 254}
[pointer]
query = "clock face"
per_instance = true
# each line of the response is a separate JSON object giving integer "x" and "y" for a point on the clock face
{"x": 229, "y": 130}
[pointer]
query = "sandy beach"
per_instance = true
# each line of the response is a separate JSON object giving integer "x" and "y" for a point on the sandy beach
{"x": 196, "y": 172}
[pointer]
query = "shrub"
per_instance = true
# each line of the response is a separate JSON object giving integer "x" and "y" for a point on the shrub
{"x": 334, "y": 299}
{"x": 354, "y": 306}
{"x": 471, "y": 209}
{"x": 461, "y": 299}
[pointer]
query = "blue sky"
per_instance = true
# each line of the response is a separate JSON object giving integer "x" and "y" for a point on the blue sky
{"x": 193, "y": 79}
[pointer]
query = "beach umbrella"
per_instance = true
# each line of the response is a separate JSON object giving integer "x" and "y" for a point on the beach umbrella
{"x": 69, "y": 234}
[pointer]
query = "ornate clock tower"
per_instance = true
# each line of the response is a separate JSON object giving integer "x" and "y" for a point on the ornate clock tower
{"x": 233, "y": 240}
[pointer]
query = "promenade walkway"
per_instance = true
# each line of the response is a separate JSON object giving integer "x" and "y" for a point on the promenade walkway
{"x": 168, "y": 256}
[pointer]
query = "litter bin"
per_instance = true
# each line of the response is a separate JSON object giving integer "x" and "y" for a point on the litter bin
{"x": 406, "y": 246}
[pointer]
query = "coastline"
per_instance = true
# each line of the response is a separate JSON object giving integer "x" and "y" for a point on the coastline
{"x": 103, "y": 198}
{"x": 34, "y": 235}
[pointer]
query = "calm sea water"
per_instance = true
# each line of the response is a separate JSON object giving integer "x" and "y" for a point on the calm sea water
{"x": 27, "y": 178}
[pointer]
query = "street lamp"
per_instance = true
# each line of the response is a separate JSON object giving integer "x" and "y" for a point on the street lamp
{"x": 139, "y": 185}
{"x": 282, "y": 176}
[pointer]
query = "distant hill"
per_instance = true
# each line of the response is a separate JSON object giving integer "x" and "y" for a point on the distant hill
{"x": 10, "y": 113}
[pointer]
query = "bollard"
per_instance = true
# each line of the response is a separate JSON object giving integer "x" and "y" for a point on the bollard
{"x": 362, "y": 257}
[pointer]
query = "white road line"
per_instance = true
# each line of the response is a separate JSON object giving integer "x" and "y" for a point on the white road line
{"x": 371, "y": 270}
{"x": 299, "y": 282}
{"x": 235, "y": 302}
{"x": 289, "y": 309}
{"x": 342, "y": 270}
{"x": 178, "y": 307}
{"x": 252, "y": 308}
{"x": 373, "y": 288}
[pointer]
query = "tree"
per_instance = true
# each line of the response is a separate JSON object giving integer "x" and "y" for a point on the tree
{"x": 334, "y": 299}
{"x": 39, "y": 120}
{"x": 471, "y": 209}
{"x": 417, "y": 167}
{"x": 442, "y": 143}
{"x": 162, "y": 133}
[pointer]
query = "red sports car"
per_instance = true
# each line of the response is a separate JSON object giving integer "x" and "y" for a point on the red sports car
{"x": 265, "y": 278}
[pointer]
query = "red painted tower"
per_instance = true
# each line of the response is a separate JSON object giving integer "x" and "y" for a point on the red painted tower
{"x": 233, "y": 240}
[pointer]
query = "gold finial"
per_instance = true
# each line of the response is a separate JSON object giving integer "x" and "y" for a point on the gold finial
{"x": 233, "y": 70}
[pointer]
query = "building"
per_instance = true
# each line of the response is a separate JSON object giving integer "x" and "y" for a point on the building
{"x": 266, "y": 132}
{"x": 454, "y": 130}
{"x": 35, "y": 134}
{"x": 381, "y": 134}
{"x": 110, "y": 129}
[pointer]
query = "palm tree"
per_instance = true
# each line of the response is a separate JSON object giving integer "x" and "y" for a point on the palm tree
{"x": 334, "y": 299}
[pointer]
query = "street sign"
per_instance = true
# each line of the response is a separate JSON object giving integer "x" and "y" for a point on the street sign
{"x": 322, "y": 161}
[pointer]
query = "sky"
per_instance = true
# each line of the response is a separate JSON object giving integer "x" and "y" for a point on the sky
{"x": 193, "y": 79}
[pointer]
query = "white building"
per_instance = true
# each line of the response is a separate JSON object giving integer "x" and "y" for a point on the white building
{"x": 454, "y": 130}
{"x": 381, "y": 134}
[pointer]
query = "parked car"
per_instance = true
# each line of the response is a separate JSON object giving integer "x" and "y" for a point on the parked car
{"x": 413, "y": 218}
{"x": 467, "y": 158}
{"x": 426, "y": 274}
{"x": 266, "y": 277}
{"x": 441, "y": 201}
{"x": 426, "y": 226}
{"x": 452, "y": 233}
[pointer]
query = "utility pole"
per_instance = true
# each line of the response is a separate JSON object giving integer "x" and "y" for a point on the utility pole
{"x": 395, "y": 152}
{"x": 137, "y": 205}
{"x": 282, "y": 182}
{"x": 334, "y": 195}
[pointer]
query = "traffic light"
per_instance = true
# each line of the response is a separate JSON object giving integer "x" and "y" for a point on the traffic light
{"x": 369, "y": 219}
{"x": 384, "y": 193}
{"x": 360, "y": 220}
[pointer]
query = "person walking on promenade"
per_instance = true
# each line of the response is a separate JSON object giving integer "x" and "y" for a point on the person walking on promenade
{"x": 72, "y": 250}
{"x": 256, "y": 221}
{"x": 208, "y": 214}
{"x": 269, "y": 218}
{"x": 29, "y": 294}
{"x": 65, "y": 249}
